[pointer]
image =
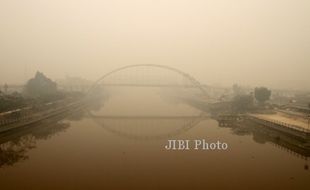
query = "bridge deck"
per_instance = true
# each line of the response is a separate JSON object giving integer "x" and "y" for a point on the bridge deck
{"x": 148, "y": 117}
{"x": 150, "y": 85}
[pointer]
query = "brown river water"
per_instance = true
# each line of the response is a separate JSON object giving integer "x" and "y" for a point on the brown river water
{"x": 121, "y": 145}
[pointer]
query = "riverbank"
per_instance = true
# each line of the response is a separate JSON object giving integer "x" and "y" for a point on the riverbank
{"x": 29, "y": 115}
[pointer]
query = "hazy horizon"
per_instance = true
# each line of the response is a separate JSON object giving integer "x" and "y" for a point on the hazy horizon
{"x": 256, "y": 43}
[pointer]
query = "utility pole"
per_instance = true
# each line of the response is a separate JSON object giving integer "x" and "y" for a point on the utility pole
{"x": 308, "y": 116}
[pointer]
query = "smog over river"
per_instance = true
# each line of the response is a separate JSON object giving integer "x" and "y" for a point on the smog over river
{"x": 146, "y": 94}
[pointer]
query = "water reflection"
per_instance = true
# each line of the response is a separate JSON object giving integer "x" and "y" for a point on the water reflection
{"x": 262, "y": 135}
{"x": 14, "y": 145}
{"x": 15, "y": 150}
{"x": 141, "y": 114}
{"x": 142, "y": 127}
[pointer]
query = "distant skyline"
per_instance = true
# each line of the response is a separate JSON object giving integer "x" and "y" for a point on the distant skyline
{"x": 252, "y": 43}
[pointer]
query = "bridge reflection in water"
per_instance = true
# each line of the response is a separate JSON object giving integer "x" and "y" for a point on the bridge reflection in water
{"x": 15, "y": 145}
{"x": 143, "y": 127}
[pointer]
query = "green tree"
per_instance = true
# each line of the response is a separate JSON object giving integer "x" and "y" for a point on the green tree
{"x": 262, "y": 94}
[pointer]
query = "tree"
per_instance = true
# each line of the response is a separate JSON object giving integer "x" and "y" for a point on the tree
{"x": 262, "y": 94}
{"x": 242, "y": 103}
{"x": 41, "y": 87}
{"x": 237, "y": 90}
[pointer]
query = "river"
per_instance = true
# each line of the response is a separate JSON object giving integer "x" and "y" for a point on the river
{"x": 121, "y": 145}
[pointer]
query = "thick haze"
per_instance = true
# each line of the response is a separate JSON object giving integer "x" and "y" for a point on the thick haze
{"x": 251, "y": 42}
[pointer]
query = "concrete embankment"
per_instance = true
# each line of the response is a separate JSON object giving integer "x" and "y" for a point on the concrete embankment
{"x": 281, "y": 134}
{"x": 293, "y": 126}
{"x": 281, "y": 123}
{"x": 23, "y": 117}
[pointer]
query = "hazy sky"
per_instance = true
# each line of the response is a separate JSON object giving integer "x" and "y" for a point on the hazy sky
{"x": 251, "y": 42}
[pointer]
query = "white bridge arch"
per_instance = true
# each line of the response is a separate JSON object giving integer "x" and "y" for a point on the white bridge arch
{"x": 195, "y": 83}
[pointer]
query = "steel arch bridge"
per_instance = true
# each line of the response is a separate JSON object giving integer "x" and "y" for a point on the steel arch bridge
{"x": 118, "y": 124}
{"x": 193, "y": 82}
